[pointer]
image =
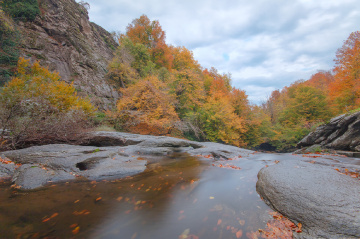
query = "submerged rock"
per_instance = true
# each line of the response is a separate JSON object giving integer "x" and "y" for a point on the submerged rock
{"x": 326, "y": 202}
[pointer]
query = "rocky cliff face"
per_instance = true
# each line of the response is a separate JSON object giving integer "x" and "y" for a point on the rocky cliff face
{"x": 341, "y": 133}
{"x": 63, "y": 39}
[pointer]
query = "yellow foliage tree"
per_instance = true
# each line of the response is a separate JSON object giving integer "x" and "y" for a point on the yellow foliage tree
{"x": 37, "y": 107}
{"x": 218, "y": 115}
{"x": 147, "y": 108}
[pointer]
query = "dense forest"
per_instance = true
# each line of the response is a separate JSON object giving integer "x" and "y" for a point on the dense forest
{"x": 165, "y": 91}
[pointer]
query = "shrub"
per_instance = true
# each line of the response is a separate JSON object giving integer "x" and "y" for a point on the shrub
{"x": 24, "y": 10}
{"x": 36, "y": 107}
{"x": 9, "y": 47}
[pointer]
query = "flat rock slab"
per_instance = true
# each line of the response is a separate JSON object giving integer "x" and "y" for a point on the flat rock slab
{"x": 60, "y": 162}
{"x": 326, "y": 202}
{"x": 105, "y": 155}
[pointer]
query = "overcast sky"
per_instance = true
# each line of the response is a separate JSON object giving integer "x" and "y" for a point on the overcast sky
{"x": 264, "y": 44}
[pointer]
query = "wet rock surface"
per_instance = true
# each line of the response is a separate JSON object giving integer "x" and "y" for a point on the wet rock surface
{"x": 6, "y": 170}
{"x": 114, "y": 155}
{"x": 313, "y": 193}
{"x": 304, "y": 188}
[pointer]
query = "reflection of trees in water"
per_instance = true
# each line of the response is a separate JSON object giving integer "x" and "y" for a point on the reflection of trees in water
{"x": 22, "y": 212}
{"x": 155, "y": 187}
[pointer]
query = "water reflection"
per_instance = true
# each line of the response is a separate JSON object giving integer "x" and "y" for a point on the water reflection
{"x": 177, "y": 197}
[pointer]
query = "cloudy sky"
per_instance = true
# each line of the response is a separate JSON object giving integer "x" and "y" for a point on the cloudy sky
{"x": 264, "y": 44}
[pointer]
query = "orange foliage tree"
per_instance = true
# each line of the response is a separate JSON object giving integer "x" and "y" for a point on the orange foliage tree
{"x": 345, "y": 90}
{"x": 321, "y": 80}
{"x": 150, "y": 34}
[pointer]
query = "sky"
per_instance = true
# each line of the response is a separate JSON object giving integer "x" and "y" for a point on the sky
{"x": 264, "y": 44}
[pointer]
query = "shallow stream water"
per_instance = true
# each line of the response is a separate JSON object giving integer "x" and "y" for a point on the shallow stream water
{"x": 176, "y": 197}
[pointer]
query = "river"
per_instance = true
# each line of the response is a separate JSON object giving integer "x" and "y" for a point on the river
{"x": 176, "y": 197}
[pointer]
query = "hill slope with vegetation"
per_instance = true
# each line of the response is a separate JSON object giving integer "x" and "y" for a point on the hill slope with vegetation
{"x": 59, "y": 35}
{"x": 142, "y": 84}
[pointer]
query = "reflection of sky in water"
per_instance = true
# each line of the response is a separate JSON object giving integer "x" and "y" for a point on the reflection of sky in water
{"x": 207, "y": 207}
{"x": 177, "y": 196}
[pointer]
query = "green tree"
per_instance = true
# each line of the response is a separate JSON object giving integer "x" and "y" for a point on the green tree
{"x": 305, "y": 103}
{"x": 188, "y": 87}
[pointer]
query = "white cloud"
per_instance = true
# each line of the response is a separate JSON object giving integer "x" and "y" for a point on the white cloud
{"x": 265, "y": 45}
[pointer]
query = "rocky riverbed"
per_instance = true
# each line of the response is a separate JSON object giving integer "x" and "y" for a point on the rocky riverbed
{"x": 105, "y": 155}
{"x": 319, "y": 191}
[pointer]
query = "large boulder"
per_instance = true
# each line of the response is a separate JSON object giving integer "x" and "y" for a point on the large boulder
{"x": 326, "y": 202}
{"x": 341, "y": 133}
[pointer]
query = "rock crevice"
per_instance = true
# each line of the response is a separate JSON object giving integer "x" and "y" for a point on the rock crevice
{"x": 341, "y": 133}
{"x": 64, "y": 39}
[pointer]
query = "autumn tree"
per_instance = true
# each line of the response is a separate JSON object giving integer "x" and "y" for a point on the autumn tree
{"x": 306, "y": 103}
{"x": 150, "y": 34}
{"x": 37, "y": 107}
{"x": 184, "y": 59}
{"x": 258, "y": 126}
{"x": 321, "y": 80}
{"x": 345, "y": 90}
{"x": 218, "y": 118}
{"x": 187, "y": 86}
{"x": 146, "y": 108}
{"x": 120, "y": 71}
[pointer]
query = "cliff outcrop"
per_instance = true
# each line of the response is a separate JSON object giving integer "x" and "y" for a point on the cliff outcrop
{"x": 341, "y": 133}
{"x": 64, "y": 39}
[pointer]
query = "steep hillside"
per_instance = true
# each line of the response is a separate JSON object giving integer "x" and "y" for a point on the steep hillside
{"x": 63, "y": 39}
{"x": 9, "y": 46}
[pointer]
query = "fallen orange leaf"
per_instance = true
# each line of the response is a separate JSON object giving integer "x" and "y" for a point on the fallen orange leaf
{"x": 239, "y": 234}
{"x": 73, "y": 225}
{"x": 76, "y": 230}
